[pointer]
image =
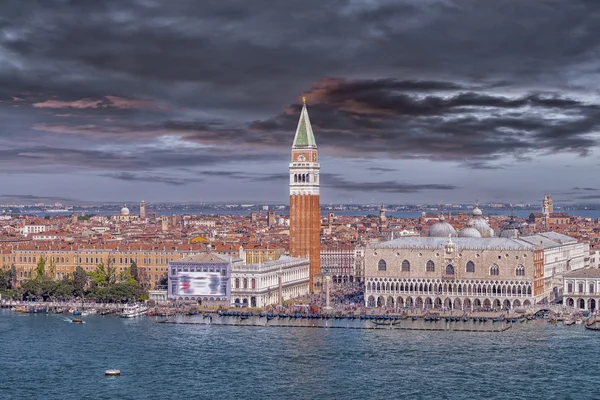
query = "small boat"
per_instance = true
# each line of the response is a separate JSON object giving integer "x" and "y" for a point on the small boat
{"x": 133, "y": 311}
{"x": 416, "y": 317}
{"x": 592, "y": 327}
{"x": 77, "y": 321}
{"x": 76, "y": 312}
{"x": 112, "y": 372}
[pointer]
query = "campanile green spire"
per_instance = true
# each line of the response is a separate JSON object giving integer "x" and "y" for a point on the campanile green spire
{"x": 304, "y": 134}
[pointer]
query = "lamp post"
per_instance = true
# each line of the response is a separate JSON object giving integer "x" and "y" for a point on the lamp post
{"x": 327, "y": 288}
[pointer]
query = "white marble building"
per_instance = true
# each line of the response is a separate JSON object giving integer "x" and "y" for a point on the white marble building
{"x": 581, "y": 289}
{"x": 469, "y": 272}
{"x": 259, "y": 285}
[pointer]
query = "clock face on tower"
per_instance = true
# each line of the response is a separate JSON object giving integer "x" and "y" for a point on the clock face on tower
{"x": 301, "y": 157}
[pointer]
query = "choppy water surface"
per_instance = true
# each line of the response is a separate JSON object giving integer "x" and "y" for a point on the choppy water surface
{"x": 44, "y": 356}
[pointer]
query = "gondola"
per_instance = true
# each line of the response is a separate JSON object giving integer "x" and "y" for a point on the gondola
{"x": 416, "y": 317}
{"x": 592, "y": 327}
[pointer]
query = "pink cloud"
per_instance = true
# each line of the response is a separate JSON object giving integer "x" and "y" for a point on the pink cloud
{"x": 83, "y": 103}
{"x": 104, "y": 102}
{"x": 121, "y": 102}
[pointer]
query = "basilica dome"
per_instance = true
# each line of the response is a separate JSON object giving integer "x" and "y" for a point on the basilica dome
{"x": 482, "y": 226}
{"x": 469, "y": 231}
{"x": 124, "y": 210}
{"x": 442, "y": 229}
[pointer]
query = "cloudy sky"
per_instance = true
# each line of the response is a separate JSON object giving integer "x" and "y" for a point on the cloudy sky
{"x": 411, "y": 102}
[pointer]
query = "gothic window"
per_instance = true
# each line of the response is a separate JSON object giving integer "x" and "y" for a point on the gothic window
{"x": 237, "y": 283}
{"x": 381, "y": 266}
{"x": 470, "y": 267}
{"x": 430, "y": 266}
{"x": 449, "y": 269}
{"x": 520, "y": 271}
{"x": 405, "y": 266}
{"x": 295, "y": 178}
{"x": 495, "y": 270}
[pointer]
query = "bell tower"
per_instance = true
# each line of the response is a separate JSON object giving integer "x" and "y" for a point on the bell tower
{"x": 305, "y": 207}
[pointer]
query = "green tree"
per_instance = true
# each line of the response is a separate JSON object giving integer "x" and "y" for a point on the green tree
{"x": 40, "y": 269}
{"x": 133, "y": 269}
{"x": 4, "y": 280}
{"x": 80, "y": 281}
{"x": 104, "y": 275}
{"x": 51, "y": 268}
{"x": 13, "y": 276}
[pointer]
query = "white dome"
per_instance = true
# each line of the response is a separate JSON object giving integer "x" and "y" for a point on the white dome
{"x": 469, "y": 231}
{"x": 124, "y": 210}
{"x": 442, "y": 229}
{"x": 477, "y": 212}
{"x": 482, "y": 226}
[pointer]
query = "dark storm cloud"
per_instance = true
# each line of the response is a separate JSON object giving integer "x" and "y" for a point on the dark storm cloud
{"x": 28, "y": 198}
{"x": 130, "y": 177}
{"x": 339, "y": 182}
{"x": 381, "y": 169}
{"x": 479, "y": 84}
{"x": 37, "y": 159}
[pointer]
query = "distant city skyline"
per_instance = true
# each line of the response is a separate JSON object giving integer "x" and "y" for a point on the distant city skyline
{"x": 410, "y": 102}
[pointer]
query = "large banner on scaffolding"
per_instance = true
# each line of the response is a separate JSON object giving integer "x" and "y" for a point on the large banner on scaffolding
{"x": 202, "y": 284}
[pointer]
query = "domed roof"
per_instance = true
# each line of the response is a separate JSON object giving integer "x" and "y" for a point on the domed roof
{"x": 482, "y": 226}
{"x": 477, "y": 212}
{"x": 124, "y": 210}
{"x": 442, "y": 229}
{"x": 469, "y": 231}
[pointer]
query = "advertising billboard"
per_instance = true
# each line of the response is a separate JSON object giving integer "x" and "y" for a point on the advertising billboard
{"x": 202, "y": 284}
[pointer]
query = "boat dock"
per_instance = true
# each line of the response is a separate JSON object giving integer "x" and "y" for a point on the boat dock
{"x": 407, "y": 324}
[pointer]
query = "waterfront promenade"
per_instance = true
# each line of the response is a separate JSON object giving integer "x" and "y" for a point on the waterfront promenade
{"x": 342, "y": 316}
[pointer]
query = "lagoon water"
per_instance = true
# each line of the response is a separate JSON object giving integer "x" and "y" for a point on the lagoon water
{"x": 46, "y": 357}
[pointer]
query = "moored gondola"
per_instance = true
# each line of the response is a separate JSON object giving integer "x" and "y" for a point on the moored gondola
{"x": 592, "y": 327}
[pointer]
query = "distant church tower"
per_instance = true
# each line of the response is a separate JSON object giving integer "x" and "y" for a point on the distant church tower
{"x": 546, "y": 206}
{"x": 142, "y": 209}
{"x": 305, "y": 207}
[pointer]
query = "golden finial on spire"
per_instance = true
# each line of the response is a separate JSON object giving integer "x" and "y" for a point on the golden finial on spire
{"x": 303, "y": 100}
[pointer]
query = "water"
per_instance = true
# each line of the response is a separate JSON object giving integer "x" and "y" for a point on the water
{"x": 43, "y": 356}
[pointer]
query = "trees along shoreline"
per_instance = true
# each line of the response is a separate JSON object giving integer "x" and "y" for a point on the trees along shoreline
{"x": 102, "y": 284}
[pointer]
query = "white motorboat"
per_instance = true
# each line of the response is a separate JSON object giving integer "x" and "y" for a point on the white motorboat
{"x": 134, "y": 311}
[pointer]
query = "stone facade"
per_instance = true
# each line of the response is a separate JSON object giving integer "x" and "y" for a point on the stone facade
{"x": 464, "y": 273}
{"x": 269, "y": 283}
{"x": 581, "y": 289}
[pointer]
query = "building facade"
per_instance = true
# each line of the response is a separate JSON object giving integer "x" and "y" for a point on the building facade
{"x": 468, "y": 272}
{"x": 340, "y": 262}
{"x": 270, "y": 283}
{"x": 305, "y": 208}
{"x": 581, "y": 289}
{"x": 203, "y": 278}
{"x": 152, "y": 259}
